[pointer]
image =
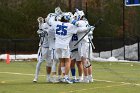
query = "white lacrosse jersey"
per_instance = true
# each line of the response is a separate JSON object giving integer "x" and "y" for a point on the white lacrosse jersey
{"x": 83, "y": 23}
{"x": 44, "y": 40}
{"x": 64, "y": 32}
{"x": 73, "y": 41}
{"x": 51, "y": 39}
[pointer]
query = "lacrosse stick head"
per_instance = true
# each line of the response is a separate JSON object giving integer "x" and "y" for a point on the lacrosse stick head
{"x": 99, "y": 22}
{"x": 40, "y": 20}
{"x": 58, "y": 11}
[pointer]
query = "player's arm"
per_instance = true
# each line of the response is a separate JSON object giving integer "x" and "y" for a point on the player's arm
{"x": 43, "y": 29}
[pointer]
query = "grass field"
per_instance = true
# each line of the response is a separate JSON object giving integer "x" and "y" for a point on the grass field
{"x": 109, "y": 77}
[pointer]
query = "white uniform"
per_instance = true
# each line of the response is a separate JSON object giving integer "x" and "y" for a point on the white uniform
{"x": 63, "y": 35}
{"x": 83, "y": 46}
{"x": 43, "y": 51}
{"x": 74, "y": 49}
{"x": 51, "y": 40}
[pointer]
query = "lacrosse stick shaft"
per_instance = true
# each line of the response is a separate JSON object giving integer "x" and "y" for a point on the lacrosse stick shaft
{"x": 92, "y": 44}
{"x": 40, "y": 52}
{"x": 82, "y": 38}
{"x": 95, "y": 25}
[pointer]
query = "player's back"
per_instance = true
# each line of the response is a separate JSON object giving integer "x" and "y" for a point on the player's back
{"x": 63, "y": 33}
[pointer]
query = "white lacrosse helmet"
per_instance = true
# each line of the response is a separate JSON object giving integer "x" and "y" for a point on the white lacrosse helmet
{"x": 68, "y": 16}
{"x": 40, "y": 20}
{"x": 58, "y": 11}
{"x": 50, "y": 15}
{"x": 79, "y": 14}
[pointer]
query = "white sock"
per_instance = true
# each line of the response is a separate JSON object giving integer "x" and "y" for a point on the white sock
{"x": 89, "y": 75}
{"x": 85, "y": 77}
{"x": 63, "y": 69}
{"x": 81, "y": 77}
{"x": 59, "y": 76}
{"x": 48, "y": 75}
{"x": 66, "y": 76}
{"x": 74, "y": 77}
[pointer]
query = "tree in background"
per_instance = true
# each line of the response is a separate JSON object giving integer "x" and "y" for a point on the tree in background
{"x": 18, "y": 17}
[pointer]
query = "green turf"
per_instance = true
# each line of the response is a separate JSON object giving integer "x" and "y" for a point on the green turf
{"x": 110, "y": 77}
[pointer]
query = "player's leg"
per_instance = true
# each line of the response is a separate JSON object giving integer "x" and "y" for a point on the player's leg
{"x": 61, "y": 63}
{"x": 72, "y": 65}
{"x": 64, "y": 58}
{"x": 40, "y": 60}
{"x": 90, "y": 74}
{"x": 90, "y": 67}
{"x": 37, "y": 71}
{"x": 62, "y": 67}
{"x": 48, "y": 72}
{"x": 80, "y": 70}
{"x": 79, "y": 66}
{"x": 48, "y": 65}
{"x": 54, "y": 66}
{"x": 83, "y": 52}
{"x": 59, "y": 71}
{"x": 67, "y": 68}
{"x": 54, "y": 74}
{"x": 85, "y": 70}
{"x": 73, "y": 71}
{"x": 67, "y": 61}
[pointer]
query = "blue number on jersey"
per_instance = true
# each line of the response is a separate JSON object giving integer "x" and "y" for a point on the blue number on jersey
{"x": 74, "y": 37}
{"x": 61, "y": 30}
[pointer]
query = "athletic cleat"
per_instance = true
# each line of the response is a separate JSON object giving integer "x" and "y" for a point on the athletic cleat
{"x": 54, "y": 80}
{"x": 62, "y": 80}
{"x": 75, "y": 80}
{"x": 59, "y": 80}
{"x": 85, "y": 80}
{"x": 35, "y": 81}
{"x": 90, "y": 79}
{"x": 48, "y": 79}
{"x": 68, "y": 81}
{"x": 80, "y": 80}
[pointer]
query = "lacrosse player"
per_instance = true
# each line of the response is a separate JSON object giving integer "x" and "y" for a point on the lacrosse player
{"x": 51, "y": 39}
{"x": 43, "y": 51}
{"x": 83, "y": 46}
{"x": 75, "y": 59}
{"x": 64, "y": 31}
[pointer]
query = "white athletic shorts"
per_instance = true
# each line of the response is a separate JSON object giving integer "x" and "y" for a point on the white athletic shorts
{"x": 63, "y": 53}
{"x": 75, "y": 55}
{"x": 83, "y": 49}
{"x": 44, "y": 54}
{"x": 53, "y": 55}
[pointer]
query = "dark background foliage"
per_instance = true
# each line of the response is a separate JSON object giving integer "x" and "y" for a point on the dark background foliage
{"x": 18, "y": 17}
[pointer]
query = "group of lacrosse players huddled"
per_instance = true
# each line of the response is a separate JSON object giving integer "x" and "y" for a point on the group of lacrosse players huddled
{"x": 65, "y": 40}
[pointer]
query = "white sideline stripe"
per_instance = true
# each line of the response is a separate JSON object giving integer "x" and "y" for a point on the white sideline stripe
{"x": 19, "y": 73}
{"x": 119, "y": 82}
{"x": 97, "y": 88}
{"x": 126, "y": 83}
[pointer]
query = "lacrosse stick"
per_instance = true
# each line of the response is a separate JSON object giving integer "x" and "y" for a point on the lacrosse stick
{"x": 95, "y": 25}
